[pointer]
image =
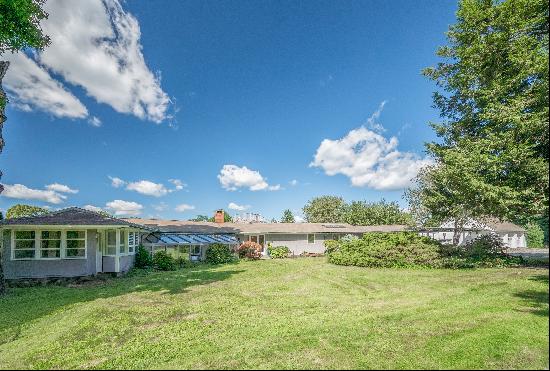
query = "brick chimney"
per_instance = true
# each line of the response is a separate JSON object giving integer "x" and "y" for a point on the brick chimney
{"x": 219, "y": 217}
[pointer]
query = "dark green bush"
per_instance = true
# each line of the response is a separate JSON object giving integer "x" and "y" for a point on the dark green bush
{"x": 380, "y": 249}
{"x": 143, "y": 258}
{"x": 278, "y": 252}
{"x": 218, "y": 253}
{"x": 535, "y": 235}
{"x": 163, "y": 261}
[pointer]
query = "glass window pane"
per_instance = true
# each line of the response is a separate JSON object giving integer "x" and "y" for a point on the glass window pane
{"x": 24, "y": 235}
{"x": 24, "y": 244}
{"x": 73, "y": 253}
{"x": 254, "y": 238}
{"x": 311, "y": 238}
{"x": 24, "y": 254}
{"x": 76, "y": 234}
{"x": 111, "y": 250}
{"x": 56, "y": 235}
{"x": 76, "y": 244}
{"x": 48, "y": 254}
{"x": 51, "y": 244}
{"x": 111, "y": 237}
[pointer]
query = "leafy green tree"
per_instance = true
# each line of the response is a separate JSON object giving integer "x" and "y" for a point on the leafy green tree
{"x": 226, "y": 218}
{"x": 20, "y": 210}
{"x": 491, "y": 158}
{"x": 288, "y": 217}
{"x": 376, "y": 213}
{"x": 535, "y": 235}
{"x": 325, "y": 209}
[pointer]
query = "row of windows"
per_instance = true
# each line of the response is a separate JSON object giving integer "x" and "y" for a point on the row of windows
{"x": 129, "y": 242}
{"x": 49, "y": 245}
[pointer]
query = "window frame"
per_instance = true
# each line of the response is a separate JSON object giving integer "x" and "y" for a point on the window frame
{"x": 14, "y": 239}
{"x": 60, "y": 239}
{"x": 85, "y": 248}
{"x": 308, "y": 241}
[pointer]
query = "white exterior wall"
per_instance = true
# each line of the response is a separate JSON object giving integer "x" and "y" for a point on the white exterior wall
{"x": 296, "y": 242}
{"x": 510, "y": 240}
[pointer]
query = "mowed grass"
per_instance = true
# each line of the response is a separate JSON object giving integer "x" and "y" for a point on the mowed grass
{"x": 291, "y": 314}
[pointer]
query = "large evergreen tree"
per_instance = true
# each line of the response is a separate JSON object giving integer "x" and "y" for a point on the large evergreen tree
{"x": 492, "y": 155}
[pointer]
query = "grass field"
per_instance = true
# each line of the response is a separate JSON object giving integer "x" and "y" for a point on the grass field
{"x": 299, "y": 313}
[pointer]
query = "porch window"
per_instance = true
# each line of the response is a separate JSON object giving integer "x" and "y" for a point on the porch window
{"x": 110, "y": 246}
{"x": 50, "y": 245}
{"x": 311, "y": 238}
{"x": 76, "y": 244}
{"x": 123, "y": 242}
{"x": 24, "y": 245}
{"x": 133, "y": 241}
{"x": 195, "y": 250}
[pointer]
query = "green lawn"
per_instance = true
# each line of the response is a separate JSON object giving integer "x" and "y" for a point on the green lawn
{"x": 299, "y": 313}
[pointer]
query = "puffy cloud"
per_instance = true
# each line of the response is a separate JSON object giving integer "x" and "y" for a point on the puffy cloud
{"x": 116, "y": 182}
{"x": 30, "y": 86}
{"x": 234, "y": 206}
{"x": 22, "y": 192}
{"x": 95, "y": 45}
{"x": 92, "y": 208}
{"x": 94, "y": 121}
{"x": 369, "y": 160}
{"x": 120, "y": 207}
{"x": 148, "y": 188}
{"x": 233, "y": 177}
{"x": 62, "y": 188}
{"x": 184, "y": 207}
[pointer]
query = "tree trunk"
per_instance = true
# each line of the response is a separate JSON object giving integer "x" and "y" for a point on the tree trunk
{"x": 3, "y": 101}
{"x": 459, "y": 228}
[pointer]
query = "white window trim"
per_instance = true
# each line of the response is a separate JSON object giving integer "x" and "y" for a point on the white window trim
{"x": 38, "y": 244}
{"x": 64, "y": 245}
{"x": 49, "y": 239}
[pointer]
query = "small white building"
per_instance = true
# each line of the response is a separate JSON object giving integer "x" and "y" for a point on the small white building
{"x": 512, "y": 235}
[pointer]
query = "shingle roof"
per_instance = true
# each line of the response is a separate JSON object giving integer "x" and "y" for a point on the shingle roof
{"x": 261, "y": 228}
{"x": 70, "y": 216}
{"x": 504, "y": 226}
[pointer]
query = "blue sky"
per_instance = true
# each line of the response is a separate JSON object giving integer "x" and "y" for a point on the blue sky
{"x": 260, "y": 104}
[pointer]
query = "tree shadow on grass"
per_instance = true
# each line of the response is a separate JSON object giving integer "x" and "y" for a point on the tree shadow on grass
{"x": 22, "y": 306}
{"x": 537, "y": 300}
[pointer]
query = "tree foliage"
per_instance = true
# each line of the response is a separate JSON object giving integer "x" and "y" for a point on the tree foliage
{"x": 287, "y": 217}
{"x": 325, "y": 209}
{"x": 491, "y": 158}
{"x": 376, "y": 213}
{"x": 20, "y": 25}
{"x": 226, "y": 218}
{"x": 200, "y": 218}
{"x": 20, "y": 210}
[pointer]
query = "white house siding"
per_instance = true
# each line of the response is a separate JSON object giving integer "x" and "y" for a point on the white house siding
{"x": 296, "y": 242}
{"x": 510, "y": 240}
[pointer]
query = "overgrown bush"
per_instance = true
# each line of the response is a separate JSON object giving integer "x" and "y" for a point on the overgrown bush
{"x": 164, "y": 261}
{"x": 535, "y": 235}
{"x": 380, "y": 249}
{"x": 218, "y": 253}
{"x": 143, "y": 258}
{"x": 484, "y": 246}
{"x": 278, "y": 252}
{"x": 250, "y": 250}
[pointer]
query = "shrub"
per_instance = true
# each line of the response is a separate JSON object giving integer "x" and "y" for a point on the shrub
{"x": 164, "y": 261}
{"x": 278, "y": 252}
{"x": 250, "y": 250}
{"x": 381, "y": 249}
{"x": 535, "y": 235}
{"x": 218, "y": 253}
{"x": 484, "y": 246}
{"x": 143, "y": 258}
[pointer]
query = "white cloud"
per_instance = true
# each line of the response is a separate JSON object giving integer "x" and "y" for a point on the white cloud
{"x": 146, "y": 187}
{"x": 22, "y": 192}
{"x": 234, "y": 206}
{"x": 178, "y": 184}
{"x": 372, "y": 121}
{"x": 116, "y": 182}
{"x": 369, "y": 160}
{"x": 62, "y": 188}
{"x": 184, "y": 207}
{"x": 120, "y": 207}
{"x": 94, "y": 121}
{"x": 233, "y": 177}
{"x": 92, "y": 208}
{"x": 95, "y": 45}
{"x": 293, "y": 182}
{"x": 160, "y": 206}
{"x": 29, "y": 87}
